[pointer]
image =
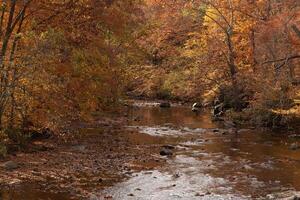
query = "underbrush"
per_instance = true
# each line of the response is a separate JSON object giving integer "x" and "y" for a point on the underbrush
{"x": 235, "y": 97}
{"x": 272, "y": 106}
{"x": 13, "y": 140}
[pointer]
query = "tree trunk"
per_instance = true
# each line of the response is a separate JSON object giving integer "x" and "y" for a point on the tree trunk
{"x": 253, "y": 49}
{"x": 296, "y": 30}
{"x": 231, "y": 56}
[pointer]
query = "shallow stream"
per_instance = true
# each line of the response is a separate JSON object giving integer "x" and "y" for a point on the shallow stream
{"x": 208, "y": 162}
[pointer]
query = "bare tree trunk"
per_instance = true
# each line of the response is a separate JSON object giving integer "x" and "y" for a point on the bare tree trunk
{"x": 8, "y": 31}
{"x": 3, "y": 7}
{"x": 14, "y": 71}
{"x": 231, "y": 56}
{"x": 253, "y": 49}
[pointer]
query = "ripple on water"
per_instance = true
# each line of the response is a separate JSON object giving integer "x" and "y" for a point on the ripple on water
{"x": 166, "y": 186}
{"x": 166, "y": 130}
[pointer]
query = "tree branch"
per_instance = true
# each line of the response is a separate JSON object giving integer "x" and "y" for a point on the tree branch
{"x": 282, "y": 59}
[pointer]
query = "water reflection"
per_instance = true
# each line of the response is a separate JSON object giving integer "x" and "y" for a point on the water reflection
{"x": 247, "y": 165}
{"x": 257, "y": 162}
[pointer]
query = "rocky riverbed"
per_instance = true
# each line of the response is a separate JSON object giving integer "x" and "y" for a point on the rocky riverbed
{"x": 158, "y": 153}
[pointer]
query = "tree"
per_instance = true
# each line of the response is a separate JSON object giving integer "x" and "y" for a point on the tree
{"x": 62, "y": 57}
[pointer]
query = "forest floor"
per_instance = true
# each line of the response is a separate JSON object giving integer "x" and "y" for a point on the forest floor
{"x": 99, "y": 156}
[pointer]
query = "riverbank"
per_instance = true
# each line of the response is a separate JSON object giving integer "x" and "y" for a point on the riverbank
{"x": 153, "y": 152}
{"x": 98, "y": 156}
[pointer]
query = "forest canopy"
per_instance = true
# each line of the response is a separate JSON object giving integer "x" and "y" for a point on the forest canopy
{"x": 62, "y": 60}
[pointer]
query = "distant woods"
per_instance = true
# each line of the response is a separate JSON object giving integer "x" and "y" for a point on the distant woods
{"x": 249, "y": 49}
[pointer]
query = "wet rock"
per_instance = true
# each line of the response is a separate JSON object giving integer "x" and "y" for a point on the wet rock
{"x": 196, "y": 107}
{"x": 224, "y": 132}
{"x": 218, "y": 110}
{"x": 79, "y": 148}
{"x": 216, "y": 130}
{"x": 247, "y": 167}
{"x": 199, "y": 194}
{"x": 165, "y": 105}
{"x": 219, "y": 131}
{"x": 166, "y": 152}
{"x": 230, "y": 124}
{"x": 93, "y": 197}
{"x": 168, "y": 125}
{"x": 176, "y": 175}
{"x": 10, "y": 165}
{"x": 294, "y": 146}
{"x": 168, "y": 147}
{"x": 297, "y": 136}
{"x": 243, "y": 130}
{"x": 270, "y": 196}
{"x": 296, "y": 197}
{"x": 136, "y": 119}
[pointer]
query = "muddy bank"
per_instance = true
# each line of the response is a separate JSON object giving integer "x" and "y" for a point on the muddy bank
{"x": 97, "y": 156}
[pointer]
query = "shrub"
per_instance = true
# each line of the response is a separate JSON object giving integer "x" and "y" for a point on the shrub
{"x": 3, "y": 150}
{"x": 18, "y": 136}
{"x": 234, "y": 97}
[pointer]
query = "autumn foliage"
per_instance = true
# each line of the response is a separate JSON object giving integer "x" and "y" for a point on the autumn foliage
{"x": 64, "y": 60}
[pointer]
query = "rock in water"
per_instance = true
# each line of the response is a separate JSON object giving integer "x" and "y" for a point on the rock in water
{"x": 196, "y": 107}
{"x": 166, "y": 152}
{"x": 294, "y": 146}
{"x": 165, "y": 105}
{"x": 168, "y": 147}
{"x": 230, "y": 124}
{"x": 293, "y": 197}
{"x": 218, "y": 110}
{"x": 10, "y": 165}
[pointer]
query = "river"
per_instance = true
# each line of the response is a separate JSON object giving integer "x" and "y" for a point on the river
{"x": 208, "y": 162}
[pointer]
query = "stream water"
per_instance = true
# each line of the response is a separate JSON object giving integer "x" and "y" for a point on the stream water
{"x": 208, "y": 162}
